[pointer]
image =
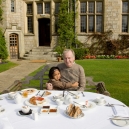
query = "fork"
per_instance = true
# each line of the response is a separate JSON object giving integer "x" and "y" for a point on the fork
{"x": 83, "y": 94}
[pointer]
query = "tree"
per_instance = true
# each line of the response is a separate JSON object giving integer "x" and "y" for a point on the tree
{"x": 3, "y": 48}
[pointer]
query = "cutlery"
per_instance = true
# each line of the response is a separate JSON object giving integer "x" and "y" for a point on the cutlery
{"x": 72, "y": 93}
{"x": 84, "y": 106}
{"x": 43, "y": 94}
{"x": 2, "y": 110}
{"x": 38, "y": 93}
{"x": 63, "y": 92}
{"x": 119, "y": 118}
{"x": 115, "y": 104}
{"x": 83, "y": 94}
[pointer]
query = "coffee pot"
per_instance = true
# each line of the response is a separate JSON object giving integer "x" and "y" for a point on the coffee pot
{"x": 67, "y": 99}
{"x": 17, "y": 98}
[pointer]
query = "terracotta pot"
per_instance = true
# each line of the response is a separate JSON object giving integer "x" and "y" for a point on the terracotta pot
{"x": 59, "y": 59}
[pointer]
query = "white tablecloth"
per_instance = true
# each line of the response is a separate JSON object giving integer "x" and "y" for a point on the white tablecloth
{"x": 95, "y": 118}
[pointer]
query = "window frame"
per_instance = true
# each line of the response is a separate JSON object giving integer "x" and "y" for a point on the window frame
{"x": 125, "y": 14}
{"x": 30, "y": 15}
{"x": 93, "y": 13}
{"x": 14, "y": 6}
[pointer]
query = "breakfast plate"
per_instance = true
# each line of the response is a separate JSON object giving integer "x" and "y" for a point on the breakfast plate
{"x": 35, "y": 105}
{"x": 121, "y": 122}
{"x": 82, "y": 115}
{"x": 89, "y": 106}
{"x": 29, "y": 90}
{"x": 20, "y": 113}
{"x": 57, "y": 96}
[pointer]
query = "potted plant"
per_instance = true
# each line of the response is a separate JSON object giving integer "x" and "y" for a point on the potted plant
{"x": 59, "y": 51}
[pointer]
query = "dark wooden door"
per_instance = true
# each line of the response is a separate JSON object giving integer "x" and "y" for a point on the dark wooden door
{"x": 44, "y": 32}
{"x": 13, "y": 46}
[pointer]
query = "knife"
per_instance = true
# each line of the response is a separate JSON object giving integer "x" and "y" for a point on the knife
{"x": 119, "y": 118}
{"x": 43, "y": 94}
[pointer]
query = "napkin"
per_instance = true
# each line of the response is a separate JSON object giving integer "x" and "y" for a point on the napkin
{"x": 120, "y": 111}
{"x": 5, "y": 124}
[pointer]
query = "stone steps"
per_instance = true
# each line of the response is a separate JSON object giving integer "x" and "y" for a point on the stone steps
{"x": 41, "y": 53}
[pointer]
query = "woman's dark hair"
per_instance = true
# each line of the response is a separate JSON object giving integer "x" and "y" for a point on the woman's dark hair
{"x": 51, "y": 71}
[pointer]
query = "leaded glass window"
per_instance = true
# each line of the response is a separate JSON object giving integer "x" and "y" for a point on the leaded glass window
{"x": 91, "y": 16}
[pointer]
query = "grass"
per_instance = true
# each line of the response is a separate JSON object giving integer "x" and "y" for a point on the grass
{"x": 7, "y": 65}
{"x": 115, "y": 74}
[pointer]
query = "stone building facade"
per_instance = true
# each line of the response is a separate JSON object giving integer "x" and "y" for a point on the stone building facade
{"x": 30, "y": 24}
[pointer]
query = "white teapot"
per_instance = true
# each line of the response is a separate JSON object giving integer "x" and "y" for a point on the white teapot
{"x": 17, "y": 98}
{"x": 67, "y": 99}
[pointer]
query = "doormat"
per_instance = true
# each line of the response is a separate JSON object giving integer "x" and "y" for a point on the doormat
{"x": 38, "y": 61}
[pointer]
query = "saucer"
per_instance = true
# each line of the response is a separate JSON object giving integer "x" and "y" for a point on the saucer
{"x": 9, "y": 98}
{"x": 100, "y": 104}
{"x": 121, "y": 123}
{"x": 20, "y": 113}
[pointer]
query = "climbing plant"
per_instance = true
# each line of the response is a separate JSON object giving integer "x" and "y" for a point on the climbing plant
{"x": 66, "y": 25}
{"x": 3, "y": 48}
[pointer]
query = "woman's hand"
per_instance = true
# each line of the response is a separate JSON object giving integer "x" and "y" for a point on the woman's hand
{"x": 49, "y": 86}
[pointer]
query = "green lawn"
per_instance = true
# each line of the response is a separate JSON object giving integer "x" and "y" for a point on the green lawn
{"x": 115, "y": 74}
{"x": 6, "y": 66}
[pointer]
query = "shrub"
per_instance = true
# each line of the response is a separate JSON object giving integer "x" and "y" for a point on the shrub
{"x": 80, "y": 53}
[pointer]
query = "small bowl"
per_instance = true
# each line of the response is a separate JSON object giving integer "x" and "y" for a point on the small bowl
{"x": 11, "y": 94}
{"x": 25, "y": 109}
{"x": 100, "y": 99}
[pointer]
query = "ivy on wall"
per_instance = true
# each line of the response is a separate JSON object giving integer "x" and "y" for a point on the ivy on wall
{"x": 3, "y": 48}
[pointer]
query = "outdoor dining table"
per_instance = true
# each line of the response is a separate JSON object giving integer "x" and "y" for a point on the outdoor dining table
{"x": 94, "y": 118}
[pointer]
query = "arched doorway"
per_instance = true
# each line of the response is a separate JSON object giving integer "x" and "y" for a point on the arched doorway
{"x": 44, "y": 31}
{"x": 13, "y": 46}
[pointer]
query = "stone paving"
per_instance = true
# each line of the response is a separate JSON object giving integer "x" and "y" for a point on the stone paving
{"x": 19, "y": 72}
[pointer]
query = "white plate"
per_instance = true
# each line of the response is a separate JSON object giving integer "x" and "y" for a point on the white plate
{"x": 31, "y": 105}
{"x": 120, "y": 122}
{"x": 48, "y": 110}
{"x": 100, "y": 104}
{"x": 30, "y": 89}
{"x": 82, "y": 115}
{"x": 91, "y": 105}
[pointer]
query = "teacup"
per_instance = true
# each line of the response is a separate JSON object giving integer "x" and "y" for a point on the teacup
{"x": 100, "y": 100}
{"x": 25, "y": 109}
{"x": 59, "y": 102}
{"x": 11, "y": 94}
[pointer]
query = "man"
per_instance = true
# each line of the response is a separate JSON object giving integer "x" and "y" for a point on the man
{"x": 70, "y": 71}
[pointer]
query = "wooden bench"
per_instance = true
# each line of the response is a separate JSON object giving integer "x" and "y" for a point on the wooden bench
{"x": 43, "y": 77}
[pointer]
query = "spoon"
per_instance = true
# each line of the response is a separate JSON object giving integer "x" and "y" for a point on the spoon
{"x": 83, "y": 94}
{"x": 84, "y": 106}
